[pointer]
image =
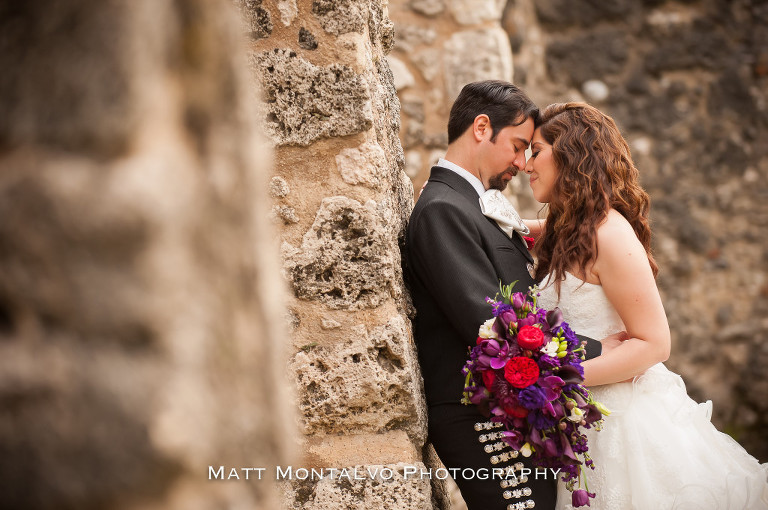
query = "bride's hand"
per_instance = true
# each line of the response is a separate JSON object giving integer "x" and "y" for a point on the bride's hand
{"x": 614, "y": 340}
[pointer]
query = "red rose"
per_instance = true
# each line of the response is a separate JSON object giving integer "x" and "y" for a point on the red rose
{"x": 530, "y": 337}
{"x": 488, "y": 377}
{"x": 521, "y": 372}
{"x": 529, "y": 242}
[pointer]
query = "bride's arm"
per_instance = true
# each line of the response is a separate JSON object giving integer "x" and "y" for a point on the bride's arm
{"x": 535, "y": 226}
{"x": 628, "y": 282}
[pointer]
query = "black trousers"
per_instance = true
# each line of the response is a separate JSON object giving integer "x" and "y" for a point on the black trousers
{"x": 469, "y": 446}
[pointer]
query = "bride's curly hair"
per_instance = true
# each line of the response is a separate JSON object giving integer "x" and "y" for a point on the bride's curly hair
{"x": 595, "y": 173}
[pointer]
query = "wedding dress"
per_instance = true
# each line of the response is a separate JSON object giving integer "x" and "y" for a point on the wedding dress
{"x": 658, "y": 449}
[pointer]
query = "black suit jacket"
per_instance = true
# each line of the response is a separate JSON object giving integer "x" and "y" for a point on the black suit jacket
{"x": 455, "y": 258}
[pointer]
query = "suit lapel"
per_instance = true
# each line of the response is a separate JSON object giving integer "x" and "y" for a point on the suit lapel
{"x": 465, "y": 189}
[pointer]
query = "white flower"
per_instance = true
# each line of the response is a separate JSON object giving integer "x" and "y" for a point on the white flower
{"x": 486, "y": 330}
{"x": 576, "y": 414}
{"x": 526, "y": 450}
{"x": 550, "y": 349}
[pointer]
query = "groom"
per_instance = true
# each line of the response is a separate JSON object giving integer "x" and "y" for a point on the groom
{"x": 455, "y": 257}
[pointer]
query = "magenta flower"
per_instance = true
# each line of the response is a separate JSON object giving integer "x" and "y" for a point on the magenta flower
{"x": 552, "y": 386}
{"x": 581, "y": 497}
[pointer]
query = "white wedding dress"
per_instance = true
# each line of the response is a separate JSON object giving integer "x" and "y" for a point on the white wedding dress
{"x": 658, "y": 449}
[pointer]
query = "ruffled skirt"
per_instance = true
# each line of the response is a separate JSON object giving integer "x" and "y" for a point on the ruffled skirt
{"x": 658, "y": 450}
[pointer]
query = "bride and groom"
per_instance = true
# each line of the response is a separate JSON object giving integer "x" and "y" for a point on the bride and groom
{"x": 657, "y": 449}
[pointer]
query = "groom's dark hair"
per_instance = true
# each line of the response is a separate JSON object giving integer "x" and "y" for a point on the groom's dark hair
{"x": 504, "y": 104}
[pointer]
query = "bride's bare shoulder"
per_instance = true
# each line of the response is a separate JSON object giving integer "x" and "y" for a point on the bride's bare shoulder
{"x": 615, "y": 230}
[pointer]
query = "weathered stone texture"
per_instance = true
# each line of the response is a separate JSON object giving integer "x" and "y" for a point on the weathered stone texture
{"x": 138, "y": 295}
{"x": 346, "y": 259}
{"x": 344, "y": 199}
{"x": 306, "y": 102}
{"x": 475, "y": 12}
{"x": 364, "y": 383}
{"x": 256, "y": 20}
{"x": 341, "y": 16}
{"x": 363, "y": 165}
{"x": 389, "y": 489}
{"x": 488, "y": 51}
{"x": 687, "y": 82}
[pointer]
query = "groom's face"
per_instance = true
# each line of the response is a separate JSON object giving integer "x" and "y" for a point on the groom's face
{"x": 502, "y": 158}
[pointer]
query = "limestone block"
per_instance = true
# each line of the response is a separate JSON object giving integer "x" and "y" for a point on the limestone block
{"x": 428, "y": 7}
{"x": 346, "y": 259}
{"x": 390, "y": 488}
{"x": 256, "y": 20}
{"x": 288, "y": 11}
{"x": 428, "y": 61}
{"x": 474, "y": 12}
{"x": 306, "y": 102}
{"x": 403, "y": 77}
{"x": 365, "y": 165}
{"x": 474, "y": 55}
{"x": 369, "y": 382}
{"x": 408, "y": 37}
{"x": 341, "y": 16}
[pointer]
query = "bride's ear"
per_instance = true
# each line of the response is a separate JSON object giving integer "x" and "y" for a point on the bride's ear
{"x": 481, "y": 127}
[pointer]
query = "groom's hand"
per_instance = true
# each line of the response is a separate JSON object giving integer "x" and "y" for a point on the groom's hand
{"x": 614, "y": 340}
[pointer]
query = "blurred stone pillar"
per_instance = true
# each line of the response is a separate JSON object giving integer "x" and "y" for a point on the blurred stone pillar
{"x": 342, "y": 200}
{"x": 440, "y": 46}
{"x": 138, "y": 290}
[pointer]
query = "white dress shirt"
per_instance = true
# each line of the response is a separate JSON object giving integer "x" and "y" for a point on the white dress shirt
{"x": 474, "y": 181}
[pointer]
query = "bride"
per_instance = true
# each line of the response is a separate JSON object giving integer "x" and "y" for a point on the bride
{"x": 658, "y": 449}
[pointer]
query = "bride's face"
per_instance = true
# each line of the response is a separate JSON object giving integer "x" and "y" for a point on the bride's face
{"x": 541, "y": 168}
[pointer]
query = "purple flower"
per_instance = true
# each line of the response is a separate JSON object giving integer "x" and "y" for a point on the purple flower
{"x": 552, "y": 386}
{"x": 513, "y": 438}
{"x": 495, "y": 354}
{"x": 530, "y": 320}
{"x": 567, "y": 450}
{"x": 550, "y": 447}
{"x": 518, "y": 300}
{"x": 570, "y": 374}
{"x": 539, "y": 420}
{"x": 532, "y": 397}
{"x": 581, "y": 497}
{"x": 554, "y": 318}
{"x": 507, "y": 317}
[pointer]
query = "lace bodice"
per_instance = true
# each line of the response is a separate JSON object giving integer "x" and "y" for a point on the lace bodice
{"x": 584, "y": 305}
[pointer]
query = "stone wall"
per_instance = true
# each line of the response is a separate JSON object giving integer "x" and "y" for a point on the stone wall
{"x": 139, "y": 296}
{"x": 687, "y": 81}
{"x": 341, "y": 201}
{"x": 440, "y": 46}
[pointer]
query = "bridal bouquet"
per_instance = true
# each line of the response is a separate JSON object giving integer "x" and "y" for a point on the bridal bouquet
{"x": 525, "y": 371}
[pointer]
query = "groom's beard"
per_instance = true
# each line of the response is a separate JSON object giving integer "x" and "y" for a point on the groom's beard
{"x": 501, "y": 180}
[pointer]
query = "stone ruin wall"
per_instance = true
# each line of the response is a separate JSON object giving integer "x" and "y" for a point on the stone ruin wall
{"x": 341, "y": 201}
{"x": 139, "y": 289}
